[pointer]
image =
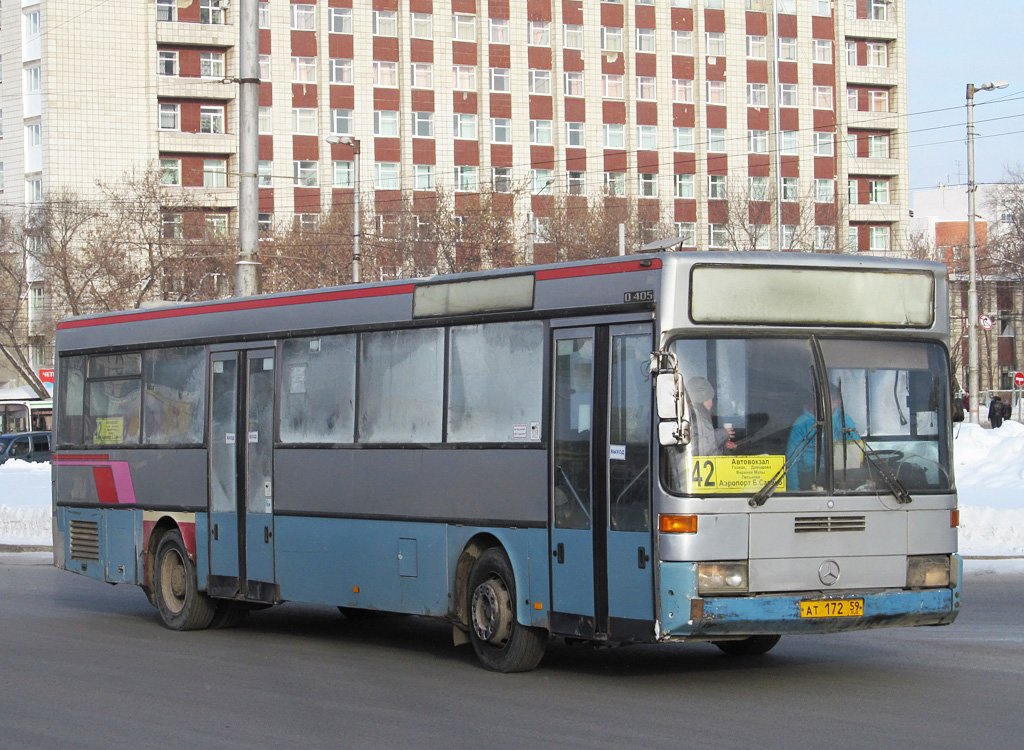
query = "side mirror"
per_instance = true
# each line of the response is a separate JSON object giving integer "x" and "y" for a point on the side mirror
{"x": 673, "y": 428}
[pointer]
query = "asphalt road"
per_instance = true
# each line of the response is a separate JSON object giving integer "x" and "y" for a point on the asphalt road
{"x": 87, "y": 665}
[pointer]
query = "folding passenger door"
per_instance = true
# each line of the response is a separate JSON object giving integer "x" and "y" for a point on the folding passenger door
{"x": 241, "y": 474}
{"x": 602, "y": 581}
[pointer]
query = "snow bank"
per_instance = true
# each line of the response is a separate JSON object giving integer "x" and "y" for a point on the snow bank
{"x": 989, "y": 466}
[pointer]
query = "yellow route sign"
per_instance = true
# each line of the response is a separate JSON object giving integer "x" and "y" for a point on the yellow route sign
{"x": 109, "y": 431}
{"x": 733, "y": 474}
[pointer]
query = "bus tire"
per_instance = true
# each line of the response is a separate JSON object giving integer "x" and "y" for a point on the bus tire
{"x": 500, "y": 642}
{"x": 228, "y": 614}
{"x": 181, "y": 604}
{"x": 755, "y": 645}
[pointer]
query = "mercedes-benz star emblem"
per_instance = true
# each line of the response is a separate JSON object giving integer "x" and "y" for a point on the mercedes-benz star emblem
{"x": 828, "y": 572}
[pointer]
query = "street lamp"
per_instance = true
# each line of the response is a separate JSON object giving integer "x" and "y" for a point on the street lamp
{"x": 348, "y": 140}
{"x": 973, "y": 381}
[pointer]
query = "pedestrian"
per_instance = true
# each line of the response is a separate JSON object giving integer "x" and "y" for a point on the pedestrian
{"x": 995, "y": 412}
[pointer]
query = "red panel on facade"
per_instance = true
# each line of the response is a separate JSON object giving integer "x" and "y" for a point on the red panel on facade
{"x": 757, "y": 165}
{"x": 499, "y": 56}
{"x": 824, "y": 75}
{"x": 686, "y": 210}
{"x": 421, "y": 6}
{"x": 789, "y": 118}
{"x": 343, "y": 97}
{"x": 789, "y": 166}
{"x": 718, "y": 164}
{"x": 423, "y": 151}
{"x": 501, "y": 155}
{"x": 683, "y": 115}
{"x": 787, "y": 72}
{"x": 786, "y": 25}
{"x": 542, "y": 157}
{"x": 421, "y": 50}
{"x": 716, "y": 117}
{"x": 757, "y": 23}
{"x": 645, "y": 17}
{"x": 757, "y": 71}
{"x": 464, "y": 53}
{"x": 646, "y": 113}
{"x": 340, "y": 45}
{"x": 576, "y": 159}
{"x": 385, "y": 4}
{"x": 540, "y": 108}
{"x": 538, "y": 10}
{"x": 575, "y": 109}
{"x": 614, "y": 161}
{"x": 467, "y": 153}
{"x": 539, "y": 57}
{"x": 307, "y": 200}
{"x": 647, "y": 162}
{"x": 304, "y": 43}
{"x": 822, "y": 28}
{"x": 422, "y": 100}
{"x": 304, "y": 95}
{"x": 305, "y": 147}
{"x": 714, "y": 20}
{"x": 612, "y": 15}
{"x": 192, "y": 171}
{"x": 386, "y": 99}
{"x": 790, "y": 213}
{"x": 266, "y": 94}
{"x": 716, "y": 68}
{"x": 266, "y": 201}
{"x": 718, "y": 212}
{"x": 463, "y": 6}
{"x": 614, "y": 112}
{"x": 758, "y": 118}
{"x": 824, "y": 119}
{"x": 682, "y": 19}
{"x": 616, "y": 65}
{"x": 682, "y": 67}
{"x": 685, "y": 163}
{"x": 501, "y": 105}
{"x": 464, "y": 102}
{"x": 386, "y": 48}
{"x": 388, "y": 149}
{"x": 646, "y": 65}
{"x": 572, "y": 11}
{"x": 824, "y": 167}
{"x": 572, "y": 60}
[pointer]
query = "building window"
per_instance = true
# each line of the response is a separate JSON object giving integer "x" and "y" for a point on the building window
{"x": 339, "y": 20}
{"x": 716, "y": 92}
{"x": 216, "y": 225}
{"x": 464, "y": 77}
{"x": 265, "y": 121}
{"x": 823, "y": 50}
{"x": 682, "y": 139}
{"x": 824, "y": 238}
{"x": 879, "y": 239}
{"x": 879, "y": 101}
{"x": 385, "y": 73}
{"x": 466, "y": 179}
{"x": 757, "y": 141}
{"x": 170, "y": 171}
{"x": 716, "y": 186}
{"x": 757, "y": 47}
{"x": 822, "y": 7}
{"x": 646, "y": 88}
{"x": 306, "y": 222}
{"x": 682, "y": 42}
{"x": 500, "y": 80}
{"x": 215, "y": 173}
{"x": 716, "y": 140}
{"x": 686, "y": 231}
{"x": 851, "y": 54}
{"x": 823, "y": 97}
{"x": 645, "y": 40}
{"x": 787, "y": 49}
{"x": 647, "y": 137}
{"x": 385, "y": 175}
{"x": 757, "y": 188}
{"x": 541, "y": 181}
{"x": 718, "y": 235}
{"x": 304, "y": 121}
{"x": 342, "y": 174}
{"x": 172, "y": 226}
{"x": 341, "y": 122}
{"x": 166, "y": 62}
{"x": 615, "y": 184}
{"x": 572, "y": 36}
{"x": 647, "y": 185}
{"x": 611, "y": 86}
{"x": 878, "y": 146}
{"x": 787, "y": 95}
{"x": 760, "y": 236}
{"x": 614, "y": 135}
{"x": 265, "y": 224}
{"x": 210, "y": 11}
{"x": 538, "y": 33}
{"x": 385, "y": 123}
{"x": 464, "y": 28}
{"x": 303, "y": 17}
{"x": 611, "y": 39}
{"x": 577, "y": 183}
{"x": 501, "y": 179}
{"x": 211, "y": 119}
{"x": 422, "y": 25}
{"x": 877, "y": 9}
{"x": 878, "y": 191}
{"x": 878, "y": 55}
{"x": 574, "y": 134}
{"x": 757, "y": 94}
{"x": 540, "y": 132}
{"x": 385, "y": 23}
{"x": 824, "y": 190}
{"x": 683, "y": 184}
{"x": 170, "y": 116}
{"x": 265, "y": 173}
{"x": 211, "y": 64}
{"x": 303, "y": 70}
{"x": 423, "y": 124}
{"x": 501, "y": 130}
{"x": 682, "y": 90}
{"x": 464, "y": 126}
{"x": 824, "y": 144}
{"x": 498, "y": 31}
{"x": 790, "y": 189}
{"x": 341, "y": 70}
{"x": 263, "y": 15}
{"x": 574, "y": 83}
{"x": 422, "y": 75}
{"x": 788, "y": 237}
{"x": 788, "y": 143}
{"x": 166, "y": 10}
{"x": 715, "y": 44}
{"x": 423, "y": 177}
{"x": 539, "y": 81}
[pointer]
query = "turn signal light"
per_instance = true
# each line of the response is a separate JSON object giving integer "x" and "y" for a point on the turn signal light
{"x": 954, "y": 518}
{"x": 677, "y": 524}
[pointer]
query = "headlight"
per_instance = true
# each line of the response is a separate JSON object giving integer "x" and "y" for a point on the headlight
{"x": 927, "y": 571}
{"x": 722, "y": 578}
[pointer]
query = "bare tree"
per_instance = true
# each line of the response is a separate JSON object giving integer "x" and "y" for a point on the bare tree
{"x": 14, "y": 301}
{"x": 1003, "y": 253}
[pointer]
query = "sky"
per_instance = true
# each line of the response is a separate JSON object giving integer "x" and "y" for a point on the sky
{"x": 951, "y": 43}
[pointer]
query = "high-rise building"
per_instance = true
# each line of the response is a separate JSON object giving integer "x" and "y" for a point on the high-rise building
{"x": 744, "y": 123}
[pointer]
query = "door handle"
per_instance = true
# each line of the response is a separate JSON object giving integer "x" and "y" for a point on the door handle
{"x": 559, "y": 553}
{"x": 642, "y": 557}
{"x": 266, "y": 535}
{"x": 216, "y": 531}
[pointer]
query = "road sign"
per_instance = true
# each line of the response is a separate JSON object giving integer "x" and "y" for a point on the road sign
{"x": 986, "y": 322}
{"x": 1018, "y": 380}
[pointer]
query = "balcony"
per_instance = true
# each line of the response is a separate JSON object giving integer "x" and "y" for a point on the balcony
{"x": 176, "y": 87}
{"x": 858, "y": 119}
{"x": 197, "y": 34}
{"x": 173, "y": 141}
{"x": 865, "y": 28}
{"x": 874, "y": 213}
{"x": 223, "y": 198}
{"x": 872, "y": 75}
{"x": 877, "y": 166}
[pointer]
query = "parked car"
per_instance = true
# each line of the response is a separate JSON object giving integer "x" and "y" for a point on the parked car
{"x": 25, "y": 446}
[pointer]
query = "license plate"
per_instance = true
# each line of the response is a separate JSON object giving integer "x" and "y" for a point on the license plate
{"x": 832, "y": 608}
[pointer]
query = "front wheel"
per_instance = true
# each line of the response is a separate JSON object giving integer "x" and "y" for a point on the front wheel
{"x": 181, "y": 604}
{"x": 500, "y": 642}
{"x": 752, "y": 646}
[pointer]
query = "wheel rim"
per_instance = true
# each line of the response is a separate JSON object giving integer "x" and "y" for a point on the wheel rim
{"x": 173, "y": 581}
{"x": 492, "y": 612}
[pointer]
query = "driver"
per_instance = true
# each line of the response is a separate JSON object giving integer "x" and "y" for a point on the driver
{"x": 800, "y": 449}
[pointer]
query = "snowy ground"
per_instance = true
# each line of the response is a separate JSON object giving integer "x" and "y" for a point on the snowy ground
{"x": 989, "y": 467}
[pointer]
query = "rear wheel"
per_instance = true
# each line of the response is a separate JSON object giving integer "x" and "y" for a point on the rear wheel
{"x": 181, "y": 604}
{"x": 229, "y": 614}
{"x": 500, "y": 642}
{"x": 752, "y": 646}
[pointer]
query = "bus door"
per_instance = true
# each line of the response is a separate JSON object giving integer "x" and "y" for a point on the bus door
{"x": 241, "y": 474}
{"x": 602, "y": 583}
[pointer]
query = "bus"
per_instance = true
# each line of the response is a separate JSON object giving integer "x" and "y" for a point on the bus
{"x": 25, "y": 415}
{"x": 659, "y": 448}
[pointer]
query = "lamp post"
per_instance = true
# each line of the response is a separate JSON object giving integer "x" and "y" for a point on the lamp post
{"x": 973, "y": 381}
{"x": 348, "y": 140}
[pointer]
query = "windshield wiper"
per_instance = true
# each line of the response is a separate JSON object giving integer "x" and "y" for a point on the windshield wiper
{"x": 884, "y": 471}
{"x": 760, "y": 497}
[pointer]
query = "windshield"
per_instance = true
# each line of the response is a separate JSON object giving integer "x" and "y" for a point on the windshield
{"x": 825, "y": 415}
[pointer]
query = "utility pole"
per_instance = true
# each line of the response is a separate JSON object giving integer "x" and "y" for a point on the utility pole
{"x": 247, "y": 267}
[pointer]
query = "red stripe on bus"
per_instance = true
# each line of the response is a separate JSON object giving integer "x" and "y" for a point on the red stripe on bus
{"x": 74, "y": 457}
{"x": 599, "y": 269}
{"x": 249, "y": 304}
{"x": 106, "y": 489}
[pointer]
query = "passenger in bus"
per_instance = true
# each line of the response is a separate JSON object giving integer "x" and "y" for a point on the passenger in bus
{"x": 803, "y": 438}
{"x": 708, "y": 440}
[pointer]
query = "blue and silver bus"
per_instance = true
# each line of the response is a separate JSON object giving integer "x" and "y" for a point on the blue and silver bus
{"x": 717, "y": 447}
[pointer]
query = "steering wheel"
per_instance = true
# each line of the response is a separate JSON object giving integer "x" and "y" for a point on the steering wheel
{"x": 887, "y": 455}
